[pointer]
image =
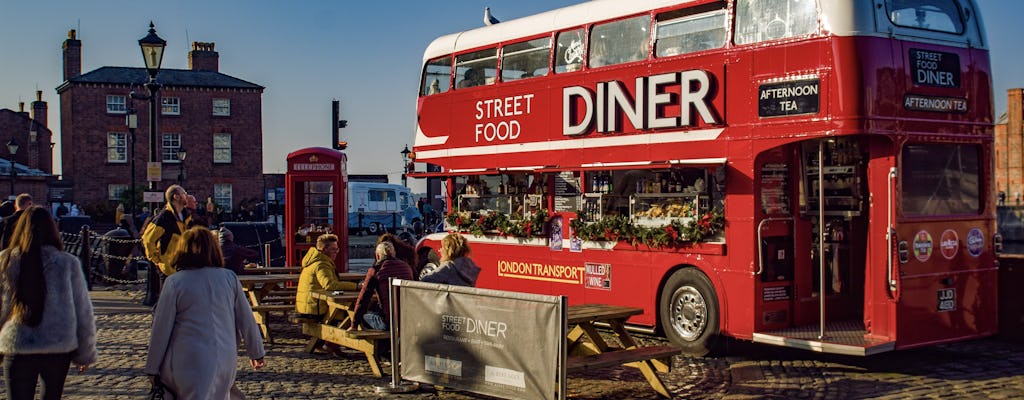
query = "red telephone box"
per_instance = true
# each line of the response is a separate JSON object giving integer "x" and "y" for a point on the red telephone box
{"x": 315, "y": 202}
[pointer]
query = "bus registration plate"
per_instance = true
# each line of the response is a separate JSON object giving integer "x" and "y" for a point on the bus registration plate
{"x": 947, "y": 299}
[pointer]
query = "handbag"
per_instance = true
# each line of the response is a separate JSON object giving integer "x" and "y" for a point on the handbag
{"x": 158, "y": 391}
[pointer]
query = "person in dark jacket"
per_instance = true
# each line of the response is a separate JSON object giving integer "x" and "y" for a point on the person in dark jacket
{"x": 234, "y": 255}
{"x": 22, "y": 202}
{"x": 403, "y": 251}
{"x": 377, "y": 282}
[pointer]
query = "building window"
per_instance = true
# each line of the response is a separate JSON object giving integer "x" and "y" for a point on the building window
{"x": 117, "y": 147}
{"x": 115, "y": 191}
{"x": 116, "y": 105}
{"x": 170, "y": 106}
{"x": 222, "y": 107}
{"x": 222, "y": 196}
{"x": 170, "y": 144}
{"x": 222, "y": 147}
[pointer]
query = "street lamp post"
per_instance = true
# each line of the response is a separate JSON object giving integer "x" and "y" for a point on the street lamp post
{"x": 153, "y": 55}
{"x": 12, "y": 147}
{"x": 405, "y": 164}
{"x": 181, "y": 164}
{"x": 131, "y": 119}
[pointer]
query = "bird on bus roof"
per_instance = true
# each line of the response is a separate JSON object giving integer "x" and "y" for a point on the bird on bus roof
{"x": 488, "y": 18}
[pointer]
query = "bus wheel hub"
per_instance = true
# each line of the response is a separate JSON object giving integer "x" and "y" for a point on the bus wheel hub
{"x": 689, "y": 313}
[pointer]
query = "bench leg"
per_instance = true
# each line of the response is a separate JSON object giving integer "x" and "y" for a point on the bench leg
{"x": 647, "y": 369}
{"x": 262, "y": 321}
{"x": 313, "y": 343}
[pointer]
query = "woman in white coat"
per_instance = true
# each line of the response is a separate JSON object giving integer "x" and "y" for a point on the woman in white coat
{"x": 197, "y": 322}
{"x": 45, "y": 311}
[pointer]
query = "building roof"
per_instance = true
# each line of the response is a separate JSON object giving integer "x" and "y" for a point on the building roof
{"x": 21, "y": 169}
{"x": 166, "y": 77}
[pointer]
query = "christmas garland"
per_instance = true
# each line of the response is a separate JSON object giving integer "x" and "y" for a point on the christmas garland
{"x": 481, "y": 223}
{"x": 679, "y": 231}
{"x": 610, "y": 228}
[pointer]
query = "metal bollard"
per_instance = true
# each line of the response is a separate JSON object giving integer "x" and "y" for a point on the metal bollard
{"x": 152, "y": 284}
{"x": 86, "y": 256}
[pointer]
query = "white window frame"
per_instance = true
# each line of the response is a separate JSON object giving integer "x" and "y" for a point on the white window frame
{"x": 169, "y": 145}
{"x": 170, "y": 105}
{"x": 222, "y": 148}
{"x": 117, "y": 104}
{"x": 222, "y": 196}
{"x": 115, "y": 190}
{"x": 222, "y": 107}
{"x": 117, "y": 147}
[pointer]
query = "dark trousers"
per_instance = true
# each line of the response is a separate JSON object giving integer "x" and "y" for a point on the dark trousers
{"x": 22, "y": 371}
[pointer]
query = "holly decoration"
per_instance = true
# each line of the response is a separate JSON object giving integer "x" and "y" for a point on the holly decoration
{"x": 609, "y": 228}
{"x": 618, "y": 227}
{"x": 480, "y": 224}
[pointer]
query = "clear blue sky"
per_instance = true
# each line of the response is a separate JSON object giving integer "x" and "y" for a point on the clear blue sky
{"x": 365, "y": 53}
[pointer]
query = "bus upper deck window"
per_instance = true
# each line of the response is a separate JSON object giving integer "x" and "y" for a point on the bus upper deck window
{"x": 933, "y": 15}
{"x": 619, "y": 42}
{"x": 476, "y": 69}
{"x": 763, "y": 20}
{"x": 436, "y": 76}
{"x": 690, "y": 34}
{"x": 569, "y": 53}
{"x": 525, "y": 59}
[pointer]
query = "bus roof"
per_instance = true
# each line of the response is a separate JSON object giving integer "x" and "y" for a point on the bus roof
{"x": 840, "y": 17}
{"x": 561, "y": 18}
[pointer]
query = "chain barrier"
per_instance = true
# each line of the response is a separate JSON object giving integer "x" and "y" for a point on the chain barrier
{"x": 99, "y": 253}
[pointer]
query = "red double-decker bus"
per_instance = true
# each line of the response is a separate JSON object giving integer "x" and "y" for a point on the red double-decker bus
{"x": 806, "y": 173}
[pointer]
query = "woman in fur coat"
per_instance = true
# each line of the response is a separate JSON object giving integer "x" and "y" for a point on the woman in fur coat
{"x": 193, "y": 348}
{"x": 44, "y": 309}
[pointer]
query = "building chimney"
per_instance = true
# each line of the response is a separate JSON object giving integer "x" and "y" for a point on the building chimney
{"x": 21, "y": 107}
{"x": 39, "y": 113}
{"x": 203, "y": 57}
{"x": 72, "y": 56}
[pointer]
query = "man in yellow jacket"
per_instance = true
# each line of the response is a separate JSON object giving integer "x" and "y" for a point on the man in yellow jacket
{"x": 318, "y": 273}
{"x": 160, "y": 239}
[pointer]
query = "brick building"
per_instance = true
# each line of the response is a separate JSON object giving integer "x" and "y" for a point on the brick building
{"x": 1009, "y": 147}
{"x": 33, "y": 162}
{"x": 214, "y": 117}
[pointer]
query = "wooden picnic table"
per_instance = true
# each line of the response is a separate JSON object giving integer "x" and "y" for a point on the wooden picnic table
{"x": 587, "y": 349}
{"x": 334, "y": 328}
{"x": 257, "y": 288}
{"x": 272, "y": 270}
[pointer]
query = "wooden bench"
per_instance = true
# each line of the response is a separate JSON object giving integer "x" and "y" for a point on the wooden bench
{"x": 262, "y": 314}
{"x": 366, "y": 341}
{"x": 660, "y": 356}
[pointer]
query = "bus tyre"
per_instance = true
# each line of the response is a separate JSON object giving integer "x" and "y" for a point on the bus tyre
{"x": 374, "y": 229}
{"x": 688, "y": 312}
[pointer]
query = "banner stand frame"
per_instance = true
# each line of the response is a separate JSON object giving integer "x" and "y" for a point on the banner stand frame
{"x": 396, "y": 385}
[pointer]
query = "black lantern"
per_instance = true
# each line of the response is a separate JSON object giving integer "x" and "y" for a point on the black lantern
{"x": 152, "y": 51}
{"x": 12, "y": 147}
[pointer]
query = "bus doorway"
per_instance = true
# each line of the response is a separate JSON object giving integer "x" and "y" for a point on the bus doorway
{"x": 814, "y": 260}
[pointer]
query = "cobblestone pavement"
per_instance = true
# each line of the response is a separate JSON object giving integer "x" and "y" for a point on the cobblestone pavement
{"x": 982, "y": 369}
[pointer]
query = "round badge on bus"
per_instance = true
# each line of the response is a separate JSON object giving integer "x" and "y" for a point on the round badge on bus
{"x": 923, "y": 246}
{"x": 949, "y": 244}
{"x": 975, "y": 242}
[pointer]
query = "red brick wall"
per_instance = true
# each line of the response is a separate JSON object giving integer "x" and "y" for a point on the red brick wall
{"x": 1009, "y": 144}
{"x": 85, "y": 124}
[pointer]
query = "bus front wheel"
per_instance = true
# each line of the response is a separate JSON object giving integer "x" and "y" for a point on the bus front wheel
{"x": 689, "y": 312}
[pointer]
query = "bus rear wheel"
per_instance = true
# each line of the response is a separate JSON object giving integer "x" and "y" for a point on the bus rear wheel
{"x": 375, "y": 229}
{"x": 688, "y": 312}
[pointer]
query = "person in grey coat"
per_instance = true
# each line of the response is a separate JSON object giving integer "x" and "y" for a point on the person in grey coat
{"x": 456, "y": 267}
{"x": 45, "y": 311}
{"x": 199, "y": 318}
